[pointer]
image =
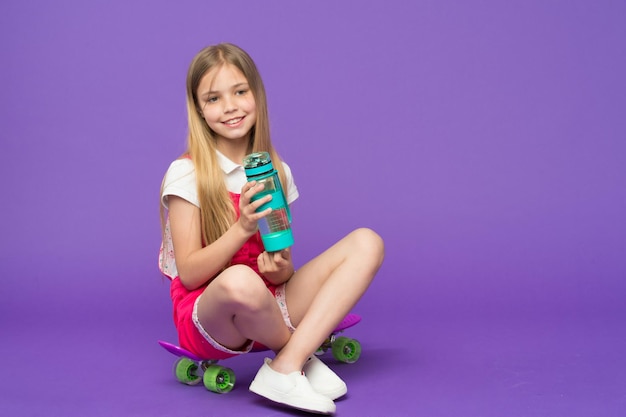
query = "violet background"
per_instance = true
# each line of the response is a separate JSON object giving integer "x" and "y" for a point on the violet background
{"x": 484, "y": 140}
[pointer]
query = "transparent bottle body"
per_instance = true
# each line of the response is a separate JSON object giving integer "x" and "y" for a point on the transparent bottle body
{"x": 276, "y": 221}
{"x": 275, "y": 228}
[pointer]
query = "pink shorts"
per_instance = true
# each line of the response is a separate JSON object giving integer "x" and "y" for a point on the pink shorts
{"x": 193, "y": 337}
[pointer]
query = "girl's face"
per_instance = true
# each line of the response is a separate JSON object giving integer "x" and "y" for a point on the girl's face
{"x": 227, "y": 104}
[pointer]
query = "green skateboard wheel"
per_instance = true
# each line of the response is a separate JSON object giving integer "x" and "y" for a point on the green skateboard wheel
{"x": 346, "y": 350}
{"x": 219, "y": 379}
{"x": 185, "y": 371}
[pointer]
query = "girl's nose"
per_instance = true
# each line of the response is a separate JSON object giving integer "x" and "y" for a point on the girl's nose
{"x": 230, "y": 104}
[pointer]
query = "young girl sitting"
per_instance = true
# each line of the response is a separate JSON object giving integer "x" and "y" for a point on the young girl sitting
{"x": 227, "y": 292}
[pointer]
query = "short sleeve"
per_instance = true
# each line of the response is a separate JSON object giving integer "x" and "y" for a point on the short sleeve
{"x": 290, "y": 189}
{"x": 180, "y": 180}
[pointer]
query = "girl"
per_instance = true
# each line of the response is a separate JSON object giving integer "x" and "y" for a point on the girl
{"x": 227, "y": 292}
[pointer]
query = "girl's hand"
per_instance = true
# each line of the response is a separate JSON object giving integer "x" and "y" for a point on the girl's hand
{"x": 248, "y": 217}
{"x": 276, "y": 266}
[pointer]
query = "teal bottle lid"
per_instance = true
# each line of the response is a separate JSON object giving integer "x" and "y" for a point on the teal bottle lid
{"x": 257, "y": 163}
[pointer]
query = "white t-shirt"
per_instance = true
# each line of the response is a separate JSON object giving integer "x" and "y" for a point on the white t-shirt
{"x": 180, "y": 180}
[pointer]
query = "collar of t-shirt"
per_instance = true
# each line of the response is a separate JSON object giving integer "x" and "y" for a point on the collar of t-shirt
{"x": 235, "y": 174}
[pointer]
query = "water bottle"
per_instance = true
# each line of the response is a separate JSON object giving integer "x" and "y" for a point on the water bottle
{"x": 275, "y": 228}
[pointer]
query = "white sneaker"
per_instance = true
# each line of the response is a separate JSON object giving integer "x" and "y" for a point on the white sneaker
{"x": 323, "y": 380}
{"x": 293, "y": 389}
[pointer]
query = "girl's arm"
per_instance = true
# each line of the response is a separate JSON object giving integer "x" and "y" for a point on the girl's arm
{"x": 196, "y": 264}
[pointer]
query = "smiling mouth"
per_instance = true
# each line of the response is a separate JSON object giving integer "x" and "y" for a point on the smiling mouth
{"x": 233, "y": 122}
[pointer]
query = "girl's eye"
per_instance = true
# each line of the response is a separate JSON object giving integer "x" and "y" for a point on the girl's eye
{"x": 241, "y": 92}
{"x": 211, "y": 99}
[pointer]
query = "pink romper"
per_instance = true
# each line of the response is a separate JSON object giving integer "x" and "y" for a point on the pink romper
{"x": 190, "y": 336}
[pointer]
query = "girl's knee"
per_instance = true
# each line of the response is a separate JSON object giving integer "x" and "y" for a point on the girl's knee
{"x": 240, "y": 284}
{"x": 369, "y": 244}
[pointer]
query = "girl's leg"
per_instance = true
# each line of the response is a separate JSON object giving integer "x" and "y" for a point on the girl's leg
{"x": 323, "y": 291}
{"x": 237, "y": 307}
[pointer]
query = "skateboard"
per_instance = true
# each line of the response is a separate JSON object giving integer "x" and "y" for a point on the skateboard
{"x": 190, "y": 369}
{"x": 343, "y": 348}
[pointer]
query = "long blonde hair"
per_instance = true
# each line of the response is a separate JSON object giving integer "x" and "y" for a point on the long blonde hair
{"x": 217, "y": 212}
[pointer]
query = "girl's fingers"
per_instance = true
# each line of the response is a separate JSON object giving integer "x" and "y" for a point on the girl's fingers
{"x": 281, "y": 258}
{"x": 258, "y": 203}
{"x": 252, "y": 189}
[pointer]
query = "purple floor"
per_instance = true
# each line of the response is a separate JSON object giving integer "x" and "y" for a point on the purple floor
{"x": 419, "y": 366}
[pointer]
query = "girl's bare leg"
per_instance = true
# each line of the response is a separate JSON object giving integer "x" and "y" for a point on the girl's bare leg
{"x": 323, "y": 291}
{"x": 237, "y": 307}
